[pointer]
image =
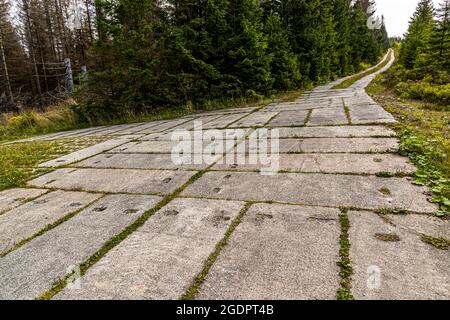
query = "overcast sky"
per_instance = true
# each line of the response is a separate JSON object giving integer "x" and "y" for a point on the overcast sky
{"x": 397, "y": 14}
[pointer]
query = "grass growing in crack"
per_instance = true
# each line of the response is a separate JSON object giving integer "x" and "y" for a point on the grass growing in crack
{"x": 346, "y": 270}
{"x": 347, "y": 112}
{"x": 439, "y": 243}
{"x": 193, "y": 290}
{"x": 387, "y": 237}
{"x": 424, "y": 132}
{"x": 350, "y": 81}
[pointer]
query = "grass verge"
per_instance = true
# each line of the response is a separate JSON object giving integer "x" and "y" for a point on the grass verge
{"x": 424, "y": 131}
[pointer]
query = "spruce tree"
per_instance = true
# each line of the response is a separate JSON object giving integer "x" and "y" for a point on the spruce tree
{"x": 284, "y": 65}
{"x": 418, "y": 36}
{"x": 311, "y": 29}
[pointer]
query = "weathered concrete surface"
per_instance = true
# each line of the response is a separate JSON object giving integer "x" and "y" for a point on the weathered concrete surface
{"x": 32, "y": 269}
{"x": 313, "y": 189}
{"x": 187, "y": 144}
{"x": 328, "y": 116}
{"x": 407, "y": 269}
{"x": 226, "y": 134}
{"x": 289, "y": 118}
{"x": 165, "y": 125}
{"x": 278, "y": 252}
{"x": 336, "y": 132}
{"x": 256, "y": 119}
{"x": 85, "y": 153}
{"x": 370, "y": 114}
{"x": 28, "y": 219}
{"x": 12, "y": 198}
{"x": 325, "y": 145}
{"x": 115, "y": 180}
{"x": 330, "y": 163}
{"x": 145, "y": 161}
{"x": 224, "y": 121}
{"x": 162, "y": 258}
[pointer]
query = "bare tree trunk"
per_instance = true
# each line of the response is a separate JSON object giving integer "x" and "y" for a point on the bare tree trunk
{"x": 32, "y": 53}
{"x": 5, "y": 67}
{"x": 89, "y": 20}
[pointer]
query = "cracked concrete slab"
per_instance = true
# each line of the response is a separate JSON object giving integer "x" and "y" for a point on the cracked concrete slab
{"x": 289, "y": 118}
{"x": 187, "y": 144}
{"x": 28, "y": 219}
{"x": 256, "y": 119}
{"x": 85, "y": 153}
{"x": 407, "y": 269}
{"x": 337, "y": 132}
{"x": 329, "y": 163}
{"x": 323, "y": 145}
{"x": 364, "y": 192}
{"x": 12, "y": 198}
{"x": 224, "y": 121}
{"x": 369, "y": 114}
{"x": 145, "y": 161}
{"x": 163, "y": 257}
{"x": 227, "y": 134}
{"x": 278, "y": 252}
{"x": 31, "y": 270}
{"x": 115, "y": 180}
{"x": 328, "y": 116}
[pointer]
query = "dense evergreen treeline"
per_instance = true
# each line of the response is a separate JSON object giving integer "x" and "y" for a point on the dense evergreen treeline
{"x": 154, "y": 53}
{"x": 162, "y": 53}
{"x": 424, "y": 70}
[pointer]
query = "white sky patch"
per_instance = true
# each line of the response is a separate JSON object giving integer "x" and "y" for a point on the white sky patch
{"x": 397, "y": 14}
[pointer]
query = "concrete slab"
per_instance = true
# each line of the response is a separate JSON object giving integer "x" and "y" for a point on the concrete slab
{"x": 28, "y": 219}
{"x": 328, "y": 116}
{"x": 85, "y": 153}
{"x": 289, "y": 118}
{"x": 330, "y": 163}
{"x": 33, "y": 269}
{"x": 405, "y": 269}
{"x": 227, "y": 134}
{"x": 162, "y": 258}
{"x": 224, "y": 121}
{"x": 203, "y": 119}
{"x": 369, "y": 114}
{"x": 364, "y": 192}
{"x": 278, "y": 252}
{"x": 337, "y": 132}
{"x": 115, "y": 180}
{"x": 116, "y": 130}
{"x": 165, "y": 125}
{"x": 140, "y": 127}
{"x": 143, "y": 161}
{"x": 329, "y": 145}
{"x": 12, "y": 198}
{"x": 256, "y": 119}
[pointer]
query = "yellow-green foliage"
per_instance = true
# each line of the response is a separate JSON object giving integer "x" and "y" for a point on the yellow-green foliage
{"x": 18, "y": 162}
{"x": 58, "y": 118}
{"x": 424, "y": 129}
{"x": 424, "y": 90}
